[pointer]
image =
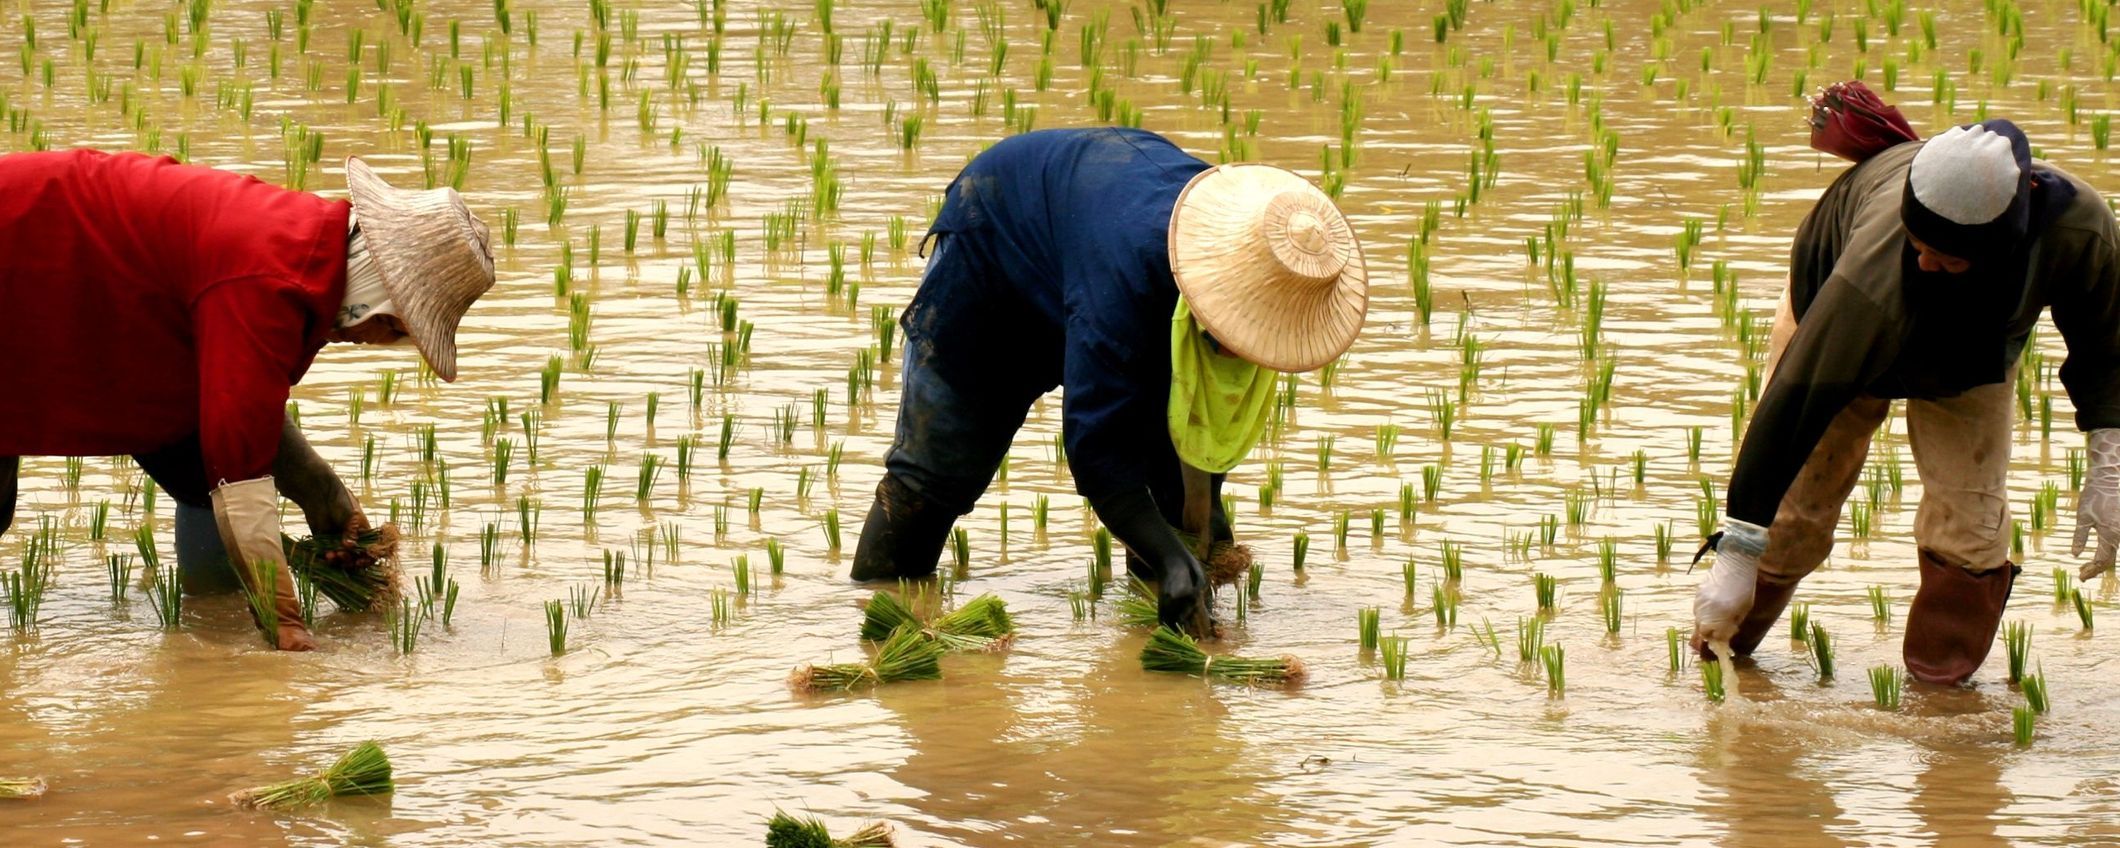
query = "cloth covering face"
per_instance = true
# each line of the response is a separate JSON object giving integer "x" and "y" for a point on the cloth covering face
{"x": 365, "y": 295}
{"x": 1219, "y": 404}
{"x": 1871, "y": 323}
{"x": 144, "y": 301}
{"x": 1060, "y": 275}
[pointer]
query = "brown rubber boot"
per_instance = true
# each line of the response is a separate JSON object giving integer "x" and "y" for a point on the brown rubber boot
{"x": 903, "y": 536}
{"x": 1952, "y": 623}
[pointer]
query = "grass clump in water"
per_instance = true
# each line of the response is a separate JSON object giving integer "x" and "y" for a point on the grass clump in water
{"x": 1711, "y": 681}
{"x": 786, "y": 831}
{"x": 906, "y": 655}
{"x": 1170, "y": 651}
{"x": 362, "y": 771}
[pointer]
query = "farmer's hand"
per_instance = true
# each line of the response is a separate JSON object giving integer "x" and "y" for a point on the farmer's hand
{"x": 1725, "y": 595}
{"x": 1182, "y": 591}
{"x": 2098, "y": 505}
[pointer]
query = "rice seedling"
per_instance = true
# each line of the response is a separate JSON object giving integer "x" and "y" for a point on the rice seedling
{"x": 556, "y": 626}
{"x": 2017, "y": 639}
{"x": 1253, "y": 578}
{"x": 1711, "y": 681}
{"x": 1445, "y": 601}
{"x": 1821, "y": 651}
{"x": 166, "y": 597}
{"x": 2083, "y": 607}
{"x": 120, "y": 569}
{"x": 1530, "y": 637}
{"x": 1453, "y": 562}
{"x": 1608, "y": 560}
{"x": 1393, "y": 652}
{"x": 2034, "y": 687}
{"x": 1301, "y": 549}
{"x": 1800, "y": 622}
{"x": 18, "y": 788}
{"x": 1674, "y": 644}
{"x": 786, "y": 831}
{"x": 1609, "y": 605}
{"x": 1368, "y": 621}
{"x": 365, "y": 770}
{"x": 582, "y": 600}
{"x": 2023, "y": 724}
{"x": 831, "y": 530}
{"x": 1880, "y": 605}
{"x": 1544, "y": 586}
{"x": 1173, "y": 652}
{"x": 1555, "y": 659}
{"x": 403, "y": 622}
{"x": 1407, "y": 572}
{"x": 1886, "y": 684}
{"x": 905, "y": 655}
{"x": 2061, "y": 585}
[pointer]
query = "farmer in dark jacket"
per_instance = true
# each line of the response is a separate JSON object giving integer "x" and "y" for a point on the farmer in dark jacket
{"x": 1160, "y": 294}
{"x": 1920, "y": 275}
{"x": 164, "y": 311}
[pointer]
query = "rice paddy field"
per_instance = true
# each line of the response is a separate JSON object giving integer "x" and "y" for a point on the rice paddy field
{"x": 675, "y": 402}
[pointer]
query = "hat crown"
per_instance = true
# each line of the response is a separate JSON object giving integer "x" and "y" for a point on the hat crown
{"x": 1301, "y": 238}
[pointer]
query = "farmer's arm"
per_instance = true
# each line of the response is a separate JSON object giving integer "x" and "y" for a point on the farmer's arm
{"x": 1109, "y": 404}
{"x": 305, "y": 478}
{"x": 2086, "y": 309}
{"x": 1843, "y": 343}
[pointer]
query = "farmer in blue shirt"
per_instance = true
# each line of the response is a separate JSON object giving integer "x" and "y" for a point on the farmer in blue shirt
{"x": 1161, "y": 294}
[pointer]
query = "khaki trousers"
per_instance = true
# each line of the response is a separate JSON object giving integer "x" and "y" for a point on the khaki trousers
{"x": 1961, "y": 450}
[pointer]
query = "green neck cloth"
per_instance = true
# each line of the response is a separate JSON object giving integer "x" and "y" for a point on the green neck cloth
{"x": 1219, "y": 404}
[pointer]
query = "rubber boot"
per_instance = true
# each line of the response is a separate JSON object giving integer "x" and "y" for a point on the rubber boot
{"x": 10, "y": 469}
{"x": 202, "y": 558}
{"x": 903, "y": 536}
{"x": 1768, "y": 601}
{"x": 1953, "y": 621}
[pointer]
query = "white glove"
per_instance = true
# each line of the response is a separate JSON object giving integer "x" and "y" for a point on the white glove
{"x": 1725, "y": 595}
{"x": 249, "y": 515}
{"x": 2098, "y": 505}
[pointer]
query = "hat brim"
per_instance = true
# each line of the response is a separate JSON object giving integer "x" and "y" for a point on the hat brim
{"x": 1283, "y": 327}
{"x": 399, "y": 226}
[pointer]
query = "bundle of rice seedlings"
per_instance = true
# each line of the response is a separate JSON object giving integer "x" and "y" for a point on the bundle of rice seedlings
{"x": 21, "y": 787}
{"x": 367, "y": 579}
{"x": 1227, "y": 563}
{"x": 982, "y": 624}
{"x": 362, "y": 771}
{"x": 1171, "y": 651}
{"x": 907, "y": 655}
{"x": 786, "y": 831}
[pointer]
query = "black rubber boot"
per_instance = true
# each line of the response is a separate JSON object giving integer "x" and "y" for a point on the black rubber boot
{"x": 903, "y": 536}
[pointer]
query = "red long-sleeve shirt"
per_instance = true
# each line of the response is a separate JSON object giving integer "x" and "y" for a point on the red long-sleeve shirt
{"x": 142, "y": 301}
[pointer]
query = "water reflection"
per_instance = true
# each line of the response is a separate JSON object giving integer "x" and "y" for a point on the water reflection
{"x": 1103, "y": 759}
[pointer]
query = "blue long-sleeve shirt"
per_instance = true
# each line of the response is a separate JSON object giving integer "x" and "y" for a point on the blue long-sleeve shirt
{"x": 1066, "y": 281}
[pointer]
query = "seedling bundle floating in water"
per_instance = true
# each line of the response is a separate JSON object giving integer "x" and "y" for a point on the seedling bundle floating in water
{"x": 362, "y": 771}
{"x": 981, "y": 624}
{"x": 786, "y": 831}
{"x": 906, "y": 655}
{"x": 21, "y": 787}
{"x": 1170, "y": 651}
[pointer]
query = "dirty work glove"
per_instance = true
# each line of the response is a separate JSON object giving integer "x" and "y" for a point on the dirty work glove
{"x": 1182, "y": 592}
{"x": 2098, "y": 505}
{"x": 249, "y": 516}
{"x": 1725, "y": 595}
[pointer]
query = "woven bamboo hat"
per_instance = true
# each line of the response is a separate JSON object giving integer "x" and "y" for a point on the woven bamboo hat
{"x": 436, "y": 258}
{"x": 1268, "y": 265}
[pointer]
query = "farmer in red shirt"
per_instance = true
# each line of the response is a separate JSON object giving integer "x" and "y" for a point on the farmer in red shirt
{"x": 164, "y": 311}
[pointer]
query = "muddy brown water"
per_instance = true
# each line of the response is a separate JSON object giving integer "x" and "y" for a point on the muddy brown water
{"x": 660, "y": 727}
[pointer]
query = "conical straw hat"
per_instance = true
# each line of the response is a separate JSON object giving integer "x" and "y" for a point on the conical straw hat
{"x": 436, "y": 258}
{"x": 1269, "y": 266}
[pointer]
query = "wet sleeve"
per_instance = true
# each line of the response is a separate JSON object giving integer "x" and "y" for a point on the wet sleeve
{"x": 250, "y": 333}
{"x": 1113, "y": 398}
{"x": 2086, "y": 310}
{"x": 1844, "y": 343}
